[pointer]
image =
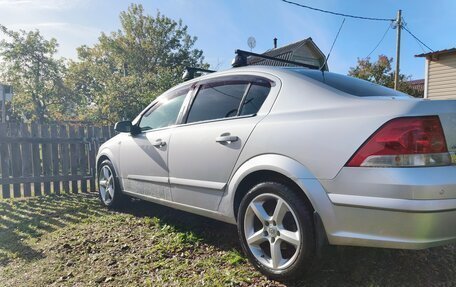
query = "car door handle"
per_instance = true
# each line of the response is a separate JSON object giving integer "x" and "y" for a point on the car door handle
{"x": 159, "y": 143}
{"x": 226, "y": 139}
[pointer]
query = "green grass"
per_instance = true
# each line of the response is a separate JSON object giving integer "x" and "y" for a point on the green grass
{"x": 72, "y": 241}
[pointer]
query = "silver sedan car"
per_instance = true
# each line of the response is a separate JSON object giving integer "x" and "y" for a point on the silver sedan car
{"x": 295, "y": 158}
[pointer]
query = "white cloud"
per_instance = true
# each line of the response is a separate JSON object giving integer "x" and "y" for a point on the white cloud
{"x": 40, "y": 5}
{"x": 51, "y": 18}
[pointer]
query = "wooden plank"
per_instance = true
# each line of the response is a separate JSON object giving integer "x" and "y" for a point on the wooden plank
{"x": 46, "y": 157}
{"x": 55, "y": 159}
{"x": 16, "y": 160}
{"x": 65, "y": 156}
{"x": 83, "y": 158}
{"x": 97, "y": 138}
{"x": 43, "y": 179}
{"x": 112, "y": 131}
{"x": 105, "y": 133}
{"x": 36, "y": 159}
{"x": 96, "y": 146}
{"x": 26, "y": 160}
{"x": 5, "y": 160}
{"x": 73, "y": 159}
{"x": 92, "y": 160}
{"x": 18, "y": 139}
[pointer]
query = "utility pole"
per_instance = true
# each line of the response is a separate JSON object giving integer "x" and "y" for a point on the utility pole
{"x": 398, "y": 48}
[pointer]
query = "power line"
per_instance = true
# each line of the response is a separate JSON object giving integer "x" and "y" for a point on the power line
{"x": 416, "y": 38}
{"x": 336, "y": 13}
{"x": 381, "y": 40}
{"x": 419, "y": 44}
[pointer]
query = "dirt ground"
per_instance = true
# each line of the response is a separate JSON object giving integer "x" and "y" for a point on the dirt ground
{"x": 71, "y": 240}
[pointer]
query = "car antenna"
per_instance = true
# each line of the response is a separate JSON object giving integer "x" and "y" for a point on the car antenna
{"x": 332, "y": 46}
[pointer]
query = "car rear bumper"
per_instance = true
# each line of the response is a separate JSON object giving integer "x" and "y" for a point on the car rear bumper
{"x": 409, "y": 208}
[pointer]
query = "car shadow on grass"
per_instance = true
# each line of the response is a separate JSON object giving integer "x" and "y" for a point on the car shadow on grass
{"x": 23, "y": 219}
{"x": 339, "y": 266}
{"x": 222, "y": 235}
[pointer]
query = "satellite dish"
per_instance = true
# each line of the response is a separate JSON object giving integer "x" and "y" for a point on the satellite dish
{"x": 251, "y": 42}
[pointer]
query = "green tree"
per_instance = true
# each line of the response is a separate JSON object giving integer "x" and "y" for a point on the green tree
{"x": 30, "y": 66}
{"x": 380, "y": 72}
{"x": 127, "y": 69}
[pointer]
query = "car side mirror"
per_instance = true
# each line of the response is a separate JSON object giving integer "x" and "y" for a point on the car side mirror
{"x": 126, "y": 127}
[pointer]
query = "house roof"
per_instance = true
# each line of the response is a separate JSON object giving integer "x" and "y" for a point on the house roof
{"x": 416, "y": 82}
{"x": 285, "y": 52}
{"x": 437, "y": 53}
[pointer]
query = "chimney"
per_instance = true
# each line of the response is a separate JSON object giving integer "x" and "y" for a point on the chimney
{"x": 275, "y": 43}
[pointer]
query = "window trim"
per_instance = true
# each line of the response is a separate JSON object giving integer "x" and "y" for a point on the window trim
{"x": 250, "y": 80}
{"x": 170, "y": 95}
{"x": 244, "y": 96}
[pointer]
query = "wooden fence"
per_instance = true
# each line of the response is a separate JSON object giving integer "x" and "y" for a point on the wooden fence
{"x": 42, "y": 159}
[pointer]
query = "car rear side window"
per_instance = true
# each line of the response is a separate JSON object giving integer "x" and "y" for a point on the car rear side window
{"x": 255, "y": 97}
{"x": 217, "y": 100}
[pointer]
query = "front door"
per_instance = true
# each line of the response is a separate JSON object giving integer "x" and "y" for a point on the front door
{"x": 144, "y": 157}
{"x": 144, "y": 164}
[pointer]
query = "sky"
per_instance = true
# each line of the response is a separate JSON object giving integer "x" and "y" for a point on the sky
{"x": 225, "y": 25}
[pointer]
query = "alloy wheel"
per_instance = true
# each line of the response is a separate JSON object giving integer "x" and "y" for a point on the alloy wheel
{"x": 106, "y": 184}
{"x": 272, "y": 231}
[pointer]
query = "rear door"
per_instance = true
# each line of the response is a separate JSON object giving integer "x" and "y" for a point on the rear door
{"x": 204, "y": 149}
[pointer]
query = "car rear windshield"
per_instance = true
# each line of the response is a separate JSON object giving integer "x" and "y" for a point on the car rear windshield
{"x": 350, "y": 85}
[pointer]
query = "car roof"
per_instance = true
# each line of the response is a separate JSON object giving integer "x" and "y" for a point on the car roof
{"x": 273, "y": 70}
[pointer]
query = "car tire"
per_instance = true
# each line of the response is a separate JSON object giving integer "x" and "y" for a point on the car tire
{"x": 276, "y": 230}
{"x": 109, "y": 190}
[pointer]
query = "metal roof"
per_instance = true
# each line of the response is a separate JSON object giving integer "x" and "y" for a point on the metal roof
{"x": 437, "y": 53}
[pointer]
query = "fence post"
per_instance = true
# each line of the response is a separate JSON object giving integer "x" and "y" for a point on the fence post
{"x": 16, "y": 163}
{"x": 55, "y": 160}
{"x": 26, "y": 159}
{"x": 65, "y": 154}
{"x": 5, "y": 160}
{"x": 92, "y": 160}
{"x": 83, "y": 157}
{"x": 36, "y": 159}
{"x": 73, "y": 159}
{"x": 46, "y": 151}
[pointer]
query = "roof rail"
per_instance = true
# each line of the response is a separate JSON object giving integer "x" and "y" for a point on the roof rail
{"x": 241, "y": 60}
{"x": 191, "y": 73}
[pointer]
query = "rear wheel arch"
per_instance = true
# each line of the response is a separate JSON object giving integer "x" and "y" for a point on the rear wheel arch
{"x": 285, "y": 170}
{"x": 265, "y": 167}
{"x": 259, "y": 176}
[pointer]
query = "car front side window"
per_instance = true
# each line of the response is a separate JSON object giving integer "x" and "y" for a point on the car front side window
{"x": 164, "y": 113}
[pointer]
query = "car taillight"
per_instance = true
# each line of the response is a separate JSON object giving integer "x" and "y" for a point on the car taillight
{"x": 405, "y": 142}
